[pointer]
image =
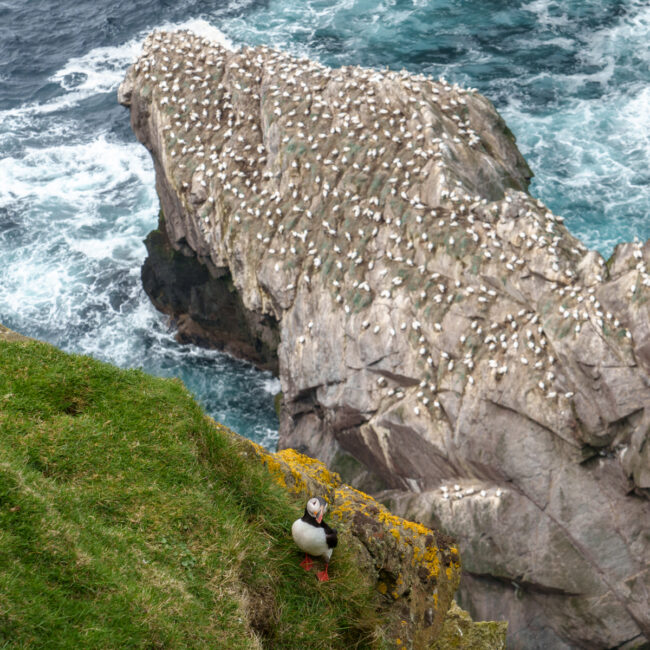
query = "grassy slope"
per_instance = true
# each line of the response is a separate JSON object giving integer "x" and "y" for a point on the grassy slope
{"x": 129, "y": 519}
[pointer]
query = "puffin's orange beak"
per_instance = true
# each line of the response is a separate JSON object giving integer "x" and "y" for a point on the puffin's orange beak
{"x": 319, "y": 516}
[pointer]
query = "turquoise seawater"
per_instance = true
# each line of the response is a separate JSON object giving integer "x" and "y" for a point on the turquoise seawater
{"x": 572, "y": 79}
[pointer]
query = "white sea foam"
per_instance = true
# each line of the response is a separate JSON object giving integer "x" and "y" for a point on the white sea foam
{"x": 100, "y": 70}
{"x": 272, "y": 385}
{"x": 76, "y": 205}
{"x": 77, "y": 174}
{"x": 544, "y": 17}
{"x": 202, "y": 28}
{"x": 631, "y": 33}
{"x": 268, "y": 438}
{"x": 593, "y": 151}
{"x": 635, "y": 118}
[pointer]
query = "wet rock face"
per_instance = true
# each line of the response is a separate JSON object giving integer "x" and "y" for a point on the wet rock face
{"x": 439, "y": 327}
{"x": 204, "y": 305}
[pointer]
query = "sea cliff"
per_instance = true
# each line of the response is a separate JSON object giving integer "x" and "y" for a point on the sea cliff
{"x": 125, "y": 524}
{"x": 442, "y": 339}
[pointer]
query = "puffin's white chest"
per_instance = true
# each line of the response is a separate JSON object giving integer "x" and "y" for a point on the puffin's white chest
{"x": 310, "y": 539}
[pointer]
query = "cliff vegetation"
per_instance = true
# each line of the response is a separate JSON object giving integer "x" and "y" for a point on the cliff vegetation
{"x": 130, "y": 519}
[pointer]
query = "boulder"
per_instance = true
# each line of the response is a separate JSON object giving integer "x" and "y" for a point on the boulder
{"x": 444, "y": 341}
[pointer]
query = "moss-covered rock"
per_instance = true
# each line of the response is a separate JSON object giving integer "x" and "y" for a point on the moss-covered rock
{"x": 460, "y": 632}
{"x": 415, "y": 570}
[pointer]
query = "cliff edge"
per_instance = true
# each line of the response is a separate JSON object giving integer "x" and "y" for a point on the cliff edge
{"x": 442, "y": 339}
{"x": 125, "y": 524}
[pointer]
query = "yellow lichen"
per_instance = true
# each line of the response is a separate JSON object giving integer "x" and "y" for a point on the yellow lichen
{"x": 300, "y": 474}
{"x": 311, "y": 467}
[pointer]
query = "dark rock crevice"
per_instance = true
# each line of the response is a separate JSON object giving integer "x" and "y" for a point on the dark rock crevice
{"x": 519, "y": 584}
{"x": 204, "y": 304}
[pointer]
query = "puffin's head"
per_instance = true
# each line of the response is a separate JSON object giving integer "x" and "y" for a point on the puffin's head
{"x": 316, "y": 507}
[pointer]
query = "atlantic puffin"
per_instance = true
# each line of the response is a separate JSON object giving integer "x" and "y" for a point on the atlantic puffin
{"x": 314, "y": 536}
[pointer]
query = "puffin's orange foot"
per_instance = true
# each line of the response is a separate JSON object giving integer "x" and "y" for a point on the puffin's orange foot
{"x": 307, "y": 563}
{"x": 322, "y": 575}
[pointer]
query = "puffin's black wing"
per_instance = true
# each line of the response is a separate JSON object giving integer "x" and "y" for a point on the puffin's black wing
{"x": 331, "y": 536}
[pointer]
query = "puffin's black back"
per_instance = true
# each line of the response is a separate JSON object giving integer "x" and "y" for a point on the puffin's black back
{"x": 331, "y": 536}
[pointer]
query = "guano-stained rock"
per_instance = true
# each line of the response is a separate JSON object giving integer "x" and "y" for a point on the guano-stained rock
{"x": 443, "y": 337}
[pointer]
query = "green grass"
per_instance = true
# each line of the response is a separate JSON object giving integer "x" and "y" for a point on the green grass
{"x": 129, "y": 519}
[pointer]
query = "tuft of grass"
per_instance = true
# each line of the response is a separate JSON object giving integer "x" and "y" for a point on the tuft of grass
{"x": 130, "y": 519}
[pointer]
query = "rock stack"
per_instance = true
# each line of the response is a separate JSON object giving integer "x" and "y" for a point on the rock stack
{"x": 442, "y": 339}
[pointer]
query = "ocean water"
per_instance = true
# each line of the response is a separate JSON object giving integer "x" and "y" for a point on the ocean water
{"x": 572, "y": 79}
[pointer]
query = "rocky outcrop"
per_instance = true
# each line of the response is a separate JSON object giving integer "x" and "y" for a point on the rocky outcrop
{"x": 461, "y": 633}
{"x": 443, "y": 337}
{"x": 416, "y": 571}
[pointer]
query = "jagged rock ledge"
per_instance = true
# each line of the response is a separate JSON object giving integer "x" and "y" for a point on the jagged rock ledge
{"x": 416, "y": 570}
{"x": 442, "y": 334}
